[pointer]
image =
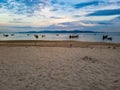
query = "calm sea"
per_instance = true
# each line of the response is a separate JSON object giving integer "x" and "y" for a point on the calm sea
{"x": 90, "y": 37}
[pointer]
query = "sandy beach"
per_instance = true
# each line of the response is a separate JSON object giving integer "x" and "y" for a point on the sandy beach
{"x": 59, "y": 65}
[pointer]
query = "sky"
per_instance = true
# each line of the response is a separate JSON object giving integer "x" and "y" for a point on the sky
{"x": 39, "y": 15}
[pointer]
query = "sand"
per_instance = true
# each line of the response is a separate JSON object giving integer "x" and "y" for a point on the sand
{"x": 76, "y": 67}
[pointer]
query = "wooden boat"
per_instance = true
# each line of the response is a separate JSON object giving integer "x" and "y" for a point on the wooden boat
{"x": 74, "y": 36}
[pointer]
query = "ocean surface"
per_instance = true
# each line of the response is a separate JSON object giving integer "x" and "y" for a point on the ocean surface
{"x": 90, "y": 37}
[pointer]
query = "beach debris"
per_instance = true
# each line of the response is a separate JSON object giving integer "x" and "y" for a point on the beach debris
{"x": 36, "y": 36}
{"x": 74, "y": 36}
{"x": 89, "y": 59}
{"x": 70, "y": 45}
{"x": 107, "y": 37}
{"x": 109, "y": 47}
{"x": 116, "y": 81}
{"x": 114, "y": 47}
{"x": 57, "y": 34}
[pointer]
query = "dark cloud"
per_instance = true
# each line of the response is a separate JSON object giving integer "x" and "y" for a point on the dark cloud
{"x": 117, "y": 19}
{"x": 76, "y": 16}
{"x": 105, "y": 12}
{"x": 16, "y": 20}
{"x": 24, "y": 27}
{"x": 55, "y": 9}
{"x": 104, "y": 23}
{"x": 107, "y": 22}
{"x": 3, "y": 1}
{"x": 56, "y": 17}
{"x": 68, "y": 26}
{"x": 54, "y": 1}
{"x": 81, "y": 5}
{"x": 110, "y": 22}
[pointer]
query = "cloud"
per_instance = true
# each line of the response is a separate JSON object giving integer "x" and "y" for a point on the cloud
{"x": 54, "y": 1}
{"x": 76, "y": 16}
{"x": 105, "y": 12}
{"x": 24, "y": 6}
{"x": 53, "y": 17}
{"x": 55, "y": 9}
{"x": 81, "y": 5}
{"x": 20, "y": 27}
{"x": 18, "y": 20}
{"x": 75, "y": 25}
{"x": 78, "y": 24}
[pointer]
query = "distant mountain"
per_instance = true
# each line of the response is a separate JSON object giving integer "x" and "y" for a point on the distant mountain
{"x": 63, "y": 31}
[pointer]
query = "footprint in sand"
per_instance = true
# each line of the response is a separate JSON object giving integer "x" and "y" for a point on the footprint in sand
{"x": 89, "y": 59}
{"x": 116, "y": 81}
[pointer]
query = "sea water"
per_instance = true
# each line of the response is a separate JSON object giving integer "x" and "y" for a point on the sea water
{"x": 89, "y": 37}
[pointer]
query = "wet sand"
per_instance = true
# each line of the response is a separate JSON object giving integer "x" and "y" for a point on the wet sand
{"x": 56, "y": 43}
{"x": 61, "y": 65}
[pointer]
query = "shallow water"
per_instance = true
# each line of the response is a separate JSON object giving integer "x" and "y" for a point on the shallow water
{"x": 90, "y": 37}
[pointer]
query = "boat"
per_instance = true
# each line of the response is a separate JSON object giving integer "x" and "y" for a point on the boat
{"x": 74, "y": 36}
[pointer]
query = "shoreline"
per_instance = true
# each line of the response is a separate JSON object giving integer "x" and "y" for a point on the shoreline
{"x": 47, "y": 43}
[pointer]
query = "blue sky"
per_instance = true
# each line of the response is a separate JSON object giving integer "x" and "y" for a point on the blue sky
{"x": 86, "y": 15}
